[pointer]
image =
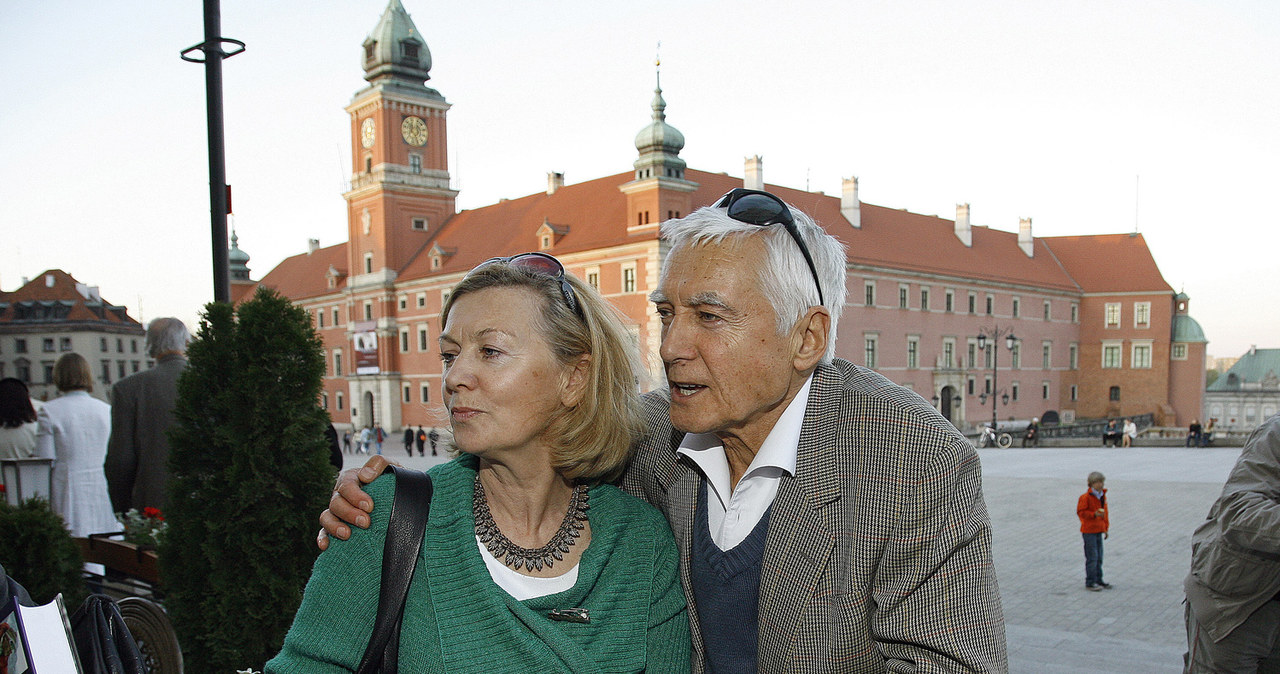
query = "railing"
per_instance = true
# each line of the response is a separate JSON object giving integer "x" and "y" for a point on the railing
{"x": 1094, "y": 428}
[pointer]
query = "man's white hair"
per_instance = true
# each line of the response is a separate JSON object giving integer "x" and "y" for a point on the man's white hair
{"x": 165, "y": 335}
{"x": 785, "y": 278}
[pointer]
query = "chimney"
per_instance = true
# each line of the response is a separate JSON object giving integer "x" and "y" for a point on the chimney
{"x": 312, "y": 245}
{"x": 850, "y": 206}
{"x": 1025, "y": 242}
{"x": 754, "y": 179}
{"x": 963, "y": 232}
{"x": 555, "y": 180}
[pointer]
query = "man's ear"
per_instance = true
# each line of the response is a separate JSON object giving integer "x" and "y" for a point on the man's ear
{"x": 575, "y": 381}
{"x": 809, "y": 338}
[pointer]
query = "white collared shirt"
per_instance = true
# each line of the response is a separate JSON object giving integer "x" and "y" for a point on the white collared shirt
{"x": 732, "y": 516}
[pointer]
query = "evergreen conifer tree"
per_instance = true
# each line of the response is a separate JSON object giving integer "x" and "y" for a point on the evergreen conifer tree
{"x": 249, "y": 472}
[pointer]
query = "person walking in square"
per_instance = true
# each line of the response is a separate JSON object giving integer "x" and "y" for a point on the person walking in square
{"x": 434, "y": 437}
{"x": 421, "y": 437}
{"x": 1094, "y": 523}
{"x": 408, "y": 440}
{"x": 346, "y": 441}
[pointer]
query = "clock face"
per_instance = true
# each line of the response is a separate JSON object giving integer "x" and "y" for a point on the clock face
{"x": 367, "y": 132}
{"x": 414, "y": 131}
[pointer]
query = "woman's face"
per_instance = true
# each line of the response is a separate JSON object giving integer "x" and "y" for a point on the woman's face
{"x": 502, "y": 383}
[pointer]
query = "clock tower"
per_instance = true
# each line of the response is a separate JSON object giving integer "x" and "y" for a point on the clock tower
{"x": 400, "y": 192}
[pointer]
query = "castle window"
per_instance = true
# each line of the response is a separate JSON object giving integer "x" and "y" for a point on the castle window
{"x": 546, "y": 242}
{"x": 1111, "y": 355}
{"x": 339, "y": 399}
{"x": 593, "y": 277}
{"x": 629, "y": 279}
{"x": 1113, "y": 314}
{"x": 420, "y": 224}
{"x": 368, "y": 164}
{"x": 1141, "y": 356}
{"x": 426, "y": 393}
{"x": 408, "y": 395}
{"x": 415, "y": 163}
{"x": 1179, "y": 351}
{"x": 1114, "y": 394}
{"x": 1017, "y": 307}
{"x": 924, "y": 299}
{"x": 409, "y": 50}
{"x": 368, "y": 54}
{"x": 1141, "y": 314}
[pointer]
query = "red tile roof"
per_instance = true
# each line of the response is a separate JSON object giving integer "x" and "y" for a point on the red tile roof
{"x": 63, "y": 290}
{"x": 304, "y": 275}
{"x": 1109, "y": 263}
{"x": 594, "y": 213}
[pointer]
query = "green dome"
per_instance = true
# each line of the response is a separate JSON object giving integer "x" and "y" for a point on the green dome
{"x": 1186, "y": 329}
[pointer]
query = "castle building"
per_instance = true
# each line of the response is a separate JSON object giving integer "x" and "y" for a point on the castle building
{"x": 54, "y": 314}
{"x": 1100, "y": 332}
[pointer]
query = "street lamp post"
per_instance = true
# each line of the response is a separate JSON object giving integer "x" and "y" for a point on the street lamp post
{"x": 1009, "y": 342}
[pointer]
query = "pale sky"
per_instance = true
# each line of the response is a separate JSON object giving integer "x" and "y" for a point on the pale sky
{"x": 1087, "y": 116}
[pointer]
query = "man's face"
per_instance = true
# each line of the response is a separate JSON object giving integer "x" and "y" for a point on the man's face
{"x": 728, "y": 369}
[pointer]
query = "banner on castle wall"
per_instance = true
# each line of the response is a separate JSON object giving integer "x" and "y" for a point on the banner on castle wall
{"x": 366, "y": 347}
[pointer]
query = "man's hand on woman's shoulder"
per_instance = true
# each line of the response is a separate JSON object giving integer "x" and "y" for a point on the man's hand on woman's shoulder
{"x": 350, "y": 505}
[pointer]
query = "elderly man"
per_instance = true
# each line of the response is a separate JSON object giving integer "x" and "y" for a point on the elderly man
{"x": 137, "y": 464}
{"x": 827, "y": 519}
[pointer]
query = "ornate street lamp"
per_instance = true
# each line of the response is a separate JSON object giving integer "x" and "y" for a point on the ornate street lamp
{"x": 1010, "y": 341}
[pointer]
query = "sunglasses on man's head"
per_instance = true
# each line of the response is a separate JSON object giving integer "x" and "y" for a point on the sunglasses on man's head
{"x": 761, "y": 208}
{"x": 540, "y": 264}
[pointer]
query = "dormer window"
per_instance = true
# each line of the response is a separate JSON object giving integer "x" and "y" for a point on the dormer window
{"x": 409, "y": 50}
{"x": 546, "y": 242}
{"x": 368, "y": 49}
{"x": 420, "y": 224}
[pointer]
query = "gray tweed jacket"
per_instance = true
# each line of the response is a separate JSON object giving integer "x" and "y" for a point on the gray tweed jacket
{"x": 137, "y": 464}
{"x": 878, "y": 555}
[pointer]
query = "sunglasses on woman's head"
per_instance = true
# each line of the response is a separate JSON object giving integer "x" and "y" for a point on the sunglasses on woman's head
{"x": 761, "y": 208}
{"x": 540, "y": 264}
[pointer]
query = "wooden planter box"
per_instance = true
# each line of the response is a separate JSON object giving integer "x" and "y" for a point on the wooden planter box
{"x": 137, "y": 561}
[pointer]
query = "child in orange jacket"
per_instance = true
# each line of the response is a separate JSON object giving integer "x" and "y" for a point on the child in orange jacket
{"x": 1094, "y": 523}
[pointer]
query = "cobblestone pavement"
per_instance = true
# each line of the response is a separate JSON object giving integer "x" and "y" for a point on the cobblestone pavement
{"x": 1157, "y": 496}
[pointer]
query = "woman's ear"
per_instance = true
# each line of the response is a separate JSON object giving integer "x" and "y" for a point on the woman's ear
{"x": 575, "y": 384}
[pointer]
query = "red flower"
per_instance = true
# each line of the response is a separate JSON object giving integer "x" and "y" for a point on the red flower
{"x": 152, "y": 513}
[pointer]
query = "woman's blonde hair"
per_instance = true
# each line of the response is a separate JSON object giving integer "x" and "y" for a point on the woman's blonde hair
{"x": 72, "y": 373}
{"x": 593, "y": 440}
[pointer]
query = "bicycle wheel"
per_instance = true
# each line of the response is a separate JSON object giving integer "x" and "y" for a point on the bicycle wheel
{"x": 1004, "y": 440}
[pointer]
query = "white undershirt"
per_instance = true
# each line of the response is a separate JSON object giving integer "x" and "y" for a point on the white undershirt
{"x": 521, "y": 586}
{"x": 732, "y": 517}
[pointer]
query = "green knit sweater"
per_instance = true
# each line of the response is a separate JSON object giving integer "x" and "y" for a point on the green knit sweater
{"x": 458, "y": 620}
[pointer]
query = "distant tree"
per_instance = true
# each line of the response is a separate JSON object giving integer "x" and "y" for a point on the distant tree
{"x": 249, "y": 473}
{"x": 1211, "y": 376}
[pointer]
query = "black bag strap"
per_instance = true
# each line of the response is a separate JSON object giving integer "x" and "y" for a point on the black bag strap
{"x": 409, "y": 512}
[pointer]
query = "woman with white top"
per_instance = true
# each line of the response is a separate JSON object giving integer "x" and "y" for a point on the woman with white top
{"x": 17, "y": 420}
{"x": 74, "y": 429}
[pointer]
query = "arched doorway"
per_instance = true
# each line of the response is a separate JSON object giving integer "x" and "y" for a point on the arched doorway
{"x": 948, "y": 394}
{"x": 366, "y": 410}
